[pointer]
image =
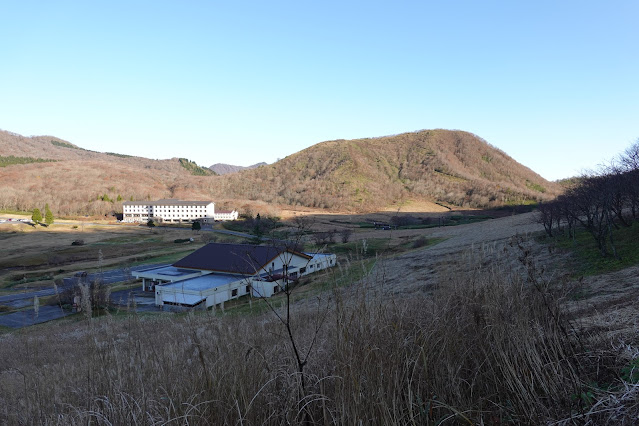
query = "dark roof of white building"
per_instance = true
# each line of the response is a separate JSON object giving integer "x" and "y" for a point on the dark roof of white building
{"x": 242, "y": 259}
{"x": 167, "y": 202}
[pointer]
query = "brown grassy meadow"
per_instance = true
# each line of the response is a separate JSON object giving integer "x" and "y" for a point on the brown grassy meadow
{"x": 483, "y": 328}
{"x": 36, "y": 256}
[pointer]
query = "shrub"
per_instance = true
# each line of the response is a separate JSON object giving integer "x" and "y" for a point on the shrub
{"x": 208, "y": 237}
{"x": 11, "y": 160}
{"x": 404, "y": 220}
{"x": 345, "y": 235}
{"x": 420, "y": 242}
{"x": 36, "y": 216}
{"x": 95, "y": 294}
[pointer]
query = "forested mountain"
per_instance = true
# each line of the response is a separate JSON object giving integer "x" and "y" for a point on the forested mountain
{"x": 225, "y": 169}
{"x": 78, "y": 181}
{"x": 452, "y": 167}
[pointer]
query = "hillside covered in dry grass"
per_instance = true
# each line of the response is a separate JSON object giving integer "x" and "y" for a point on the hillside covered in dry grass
{"x": 452, "y": 167}
{"x": 455, "y": 168}
{"x": 79, "y": 181}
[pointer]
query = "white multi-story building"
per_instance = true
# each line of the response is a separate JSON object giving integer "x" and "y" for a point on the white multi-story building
{"x": 169, "y": 210}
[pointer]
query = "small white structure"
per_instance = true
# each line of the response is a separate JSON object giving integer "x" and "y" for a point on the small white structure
{"x": 168, "y": 210}
{"x": 219, "y": 272}
{"x": 208, "y": 290}
{"x": 225, "y": 215}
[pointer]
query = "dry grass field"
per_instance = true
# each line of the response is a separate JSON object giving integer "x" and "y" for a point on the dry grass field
{"x": 36, "y": 256}
{"x": 410, "y": 206}
{"x": 485, "y": 327}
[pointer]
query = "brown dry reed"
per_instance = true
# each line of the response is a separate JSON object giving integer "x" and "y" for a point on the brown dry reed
{"x": 487, "y": 346}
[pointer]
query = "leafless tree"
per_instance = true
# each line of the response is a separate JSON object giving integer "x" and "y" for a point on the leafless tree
{"x": 549, "y": 215}
{"x": 301, "y": 346}
{"x": 345, "y": 235}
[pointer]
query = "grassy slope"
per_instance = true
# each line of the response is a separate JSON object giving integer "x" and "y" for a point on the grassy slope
{"x": 73, "y": 183}
{"x": 452, "y": 167}
{"x": 587, "y": 259}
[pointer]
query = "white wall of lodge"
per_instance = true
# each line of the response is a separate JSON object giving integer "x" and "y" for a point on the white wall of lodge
{"x": 171, "y": 211}
{"x": 232, "y": 215}
{"x": 292, "y": 262}
{"x": 174, "y": 211}
{"x": 319, "y": 262}
{"x": 174, "y": 295}
{"x": 219, "y": 292}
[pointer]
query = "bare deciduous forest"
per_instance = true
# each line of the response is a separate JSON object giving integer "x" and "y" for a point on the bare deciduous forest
{"x": 453, "y": 167}
{"x": 450, "y": 167}
{"x": 599, "y": 202}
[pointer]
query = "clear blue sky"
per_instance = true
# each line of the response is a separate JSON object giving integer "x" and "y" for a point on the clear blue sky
{"x": 555, "y": 84}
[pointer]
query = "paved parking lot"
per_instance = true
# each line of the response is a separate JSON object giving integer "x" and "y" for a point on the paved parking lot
{"x": 28, "y": 317}
{"x": 137, "y": 299}
{"x": 134, "y": 298}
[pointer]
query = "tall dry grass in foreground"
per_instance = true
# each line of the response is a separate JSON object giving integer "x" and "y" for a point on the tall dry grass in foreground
{"x": 487, "y": 346}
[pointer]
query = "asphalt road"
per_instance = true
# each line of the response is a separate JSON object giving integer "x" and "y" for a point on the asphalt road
{"x": 112, "y": 276}
{"x": 25, "y": 299}
{"x": 28, "y": 317}
{"x": 19, "y": 300}
{"x": 141, "y": 301}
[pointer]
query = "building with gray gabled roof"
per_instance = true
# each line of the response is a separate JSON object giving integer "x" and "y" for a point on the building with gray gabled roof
{"x": 242, "y": 259}
{"x": 219, "y": 272}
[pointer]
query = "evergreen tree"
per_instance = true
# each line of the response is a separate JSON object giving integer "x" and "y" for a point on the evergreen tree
{"x": 48, "y": 215}
{"x": 196, "y": 226}
{"x": 36, "y": 216}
